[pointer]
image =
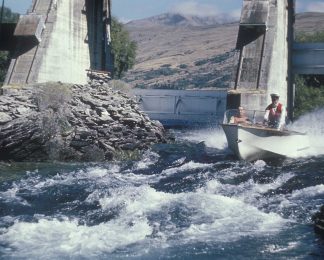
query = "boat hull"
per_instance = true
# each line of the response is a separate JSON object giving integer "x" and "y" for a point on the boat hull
{"x": 254, "y": 143}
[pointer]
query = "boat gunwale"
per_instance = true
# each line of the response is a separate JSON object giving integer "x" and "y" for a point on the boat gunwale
{"x": 284, "y": 132}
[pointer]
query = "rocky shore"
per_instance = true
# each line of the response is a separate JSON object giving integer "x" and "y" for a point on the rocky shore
{"x": 55, "y": 121}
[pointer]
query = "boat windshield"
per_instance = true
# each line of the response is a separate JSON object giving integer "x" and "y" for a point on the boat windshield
{"x": 250, "y": 116}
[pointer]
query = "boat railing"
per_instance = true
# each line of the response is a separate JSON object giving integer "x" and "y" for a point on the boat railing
{"x": 252, "y": 116}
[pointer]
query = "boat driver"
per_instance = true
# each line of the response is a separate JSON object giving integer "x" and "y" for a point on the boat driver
{"x": 275, "y": 114}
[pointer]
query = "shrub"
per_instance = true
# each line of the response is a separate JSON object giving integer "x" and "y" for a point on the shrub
{"x": 183, "y": 66}
{"x": 307, "y": 98}
{"x": 8, "y": 17}
{"x": 4, "y": 64}
{"x": 310, "y": 37}
{"x": 123, "y": 49}
{"x": 309, "y": 89}
{"x": 120, "y": 86}
{"x": 53, "y": 96}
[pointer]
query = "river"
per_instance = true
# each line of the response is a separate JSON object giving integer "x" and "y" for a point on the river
{"x": 191, "y": 199}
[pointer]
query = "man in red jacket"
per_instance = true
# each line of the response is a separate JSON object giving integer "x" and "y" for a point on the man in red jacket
{"x": 275, "y": 115}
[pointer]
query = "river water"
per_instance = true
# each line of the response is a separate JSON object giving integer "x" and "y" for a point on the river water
{"x": 191, "y": 199}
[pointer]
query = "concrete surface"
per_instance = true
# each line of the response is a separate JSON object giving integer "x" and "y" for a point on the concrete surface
{"x": 76, "y": 38}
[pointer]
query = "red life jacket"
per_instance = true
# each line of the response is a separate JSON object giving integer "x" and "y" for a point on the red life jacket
{"x": 274, "y": 113}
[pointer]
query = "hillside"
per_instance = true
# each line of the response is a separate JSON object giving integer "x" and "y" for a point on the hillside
{"x": 180, "y": 52}
{"x": 176, "y": 19}
{"x": 309, "y": 22}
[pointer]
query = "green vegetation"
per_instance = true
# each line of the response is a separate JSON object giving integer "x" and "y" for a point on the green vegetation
{"x": 123, "y": 49}
{"x": 8, "y": 17}
{"x": 307, "y": 37}
{"x": 119, "y": 85}
{"x": 4, "y": 64}
{"x": 310, "y": 88}
{"x": 216, "y": 59}
{"x": 162, "y": 71}
{"x": 308, "y": 97}
{"x": 183, "y": 66}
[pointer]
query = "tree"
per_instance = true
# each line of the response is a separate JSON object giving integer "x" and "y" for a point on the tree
{"x": 308, "y": 97}
{"x": 310, "y": 37}
{"x": 4, "y": 64}
{"x": 8, "y": 17}
{"x": 309, "y": 88}
{"x": 123, "y": 49}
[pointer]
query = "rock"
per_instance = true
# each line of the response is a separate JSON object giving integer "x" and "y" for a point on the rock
{"x": 23, "y": 110}
{"x": 129, "y": 146}
{"x": 105, "y": 116}
{"x": 130, "y": 121}
{"x": 67, "y": 123}
{"x": 4, "y": 118}
{"x": 107, "y": 146}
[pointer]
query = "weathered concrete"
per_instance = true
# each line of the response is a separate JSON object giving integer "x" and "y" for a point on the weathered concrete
{"x": 264, "y": 53}
{"x": 76, "y": 38}
{"x": 183, "y": 107}
{"x": 30, "y": 26}
{"x": 65, "y": 55}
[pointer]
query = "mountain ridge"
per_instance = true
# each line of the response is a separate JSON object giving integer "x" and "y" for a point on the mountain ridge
{"x": 193, "y": 57}
{"x": 178, "y": 19}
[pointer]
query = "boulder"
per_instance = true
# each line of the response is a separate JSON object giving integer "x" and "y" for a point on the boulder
{"x": 4, "y": 118}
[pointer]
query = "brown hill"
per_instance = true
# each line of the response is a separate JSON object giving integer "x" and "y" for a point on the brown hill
{"x": 181, "y": 57}
{"x": 309, "y": 22}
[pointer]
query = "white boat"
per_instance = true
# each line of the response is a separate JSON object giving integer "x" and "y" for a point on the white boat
{"x": 252, "y": 140}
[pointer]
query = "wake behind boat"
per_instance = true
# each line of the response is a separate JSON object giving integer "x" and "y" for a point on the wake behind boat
{"x": 252, "y": 140}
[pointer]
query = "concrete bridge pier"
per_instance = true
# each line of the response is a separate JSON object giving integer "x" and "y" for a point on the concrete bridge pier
{"x": 264, "y": 39}
{"x": 58, "y": 40}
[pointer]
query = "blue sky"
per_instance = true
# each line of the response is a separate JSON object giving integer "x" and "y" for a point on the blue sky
{"x": 127, "y": 10}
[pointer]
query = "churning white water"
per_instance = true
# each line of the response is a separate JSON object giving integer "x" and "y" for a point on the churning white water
{"x": 140, "y": 215}
{"x": 313, "y": 125}
{"x": 212, "y": 137}
{"x": 179, "y": 200}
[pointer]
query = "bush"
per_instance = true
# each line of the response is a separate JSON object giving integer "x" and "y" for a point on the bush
{"x": 119, "y": 85}
{"x": 309, "y": 89}
{"x": 308, "y": 98}
{"x": 163, "y": 71}
{"x": 183, "y": 66}
{"x": 307, "y": 37}
{"x": 123, "y": 49}
{"x": 4, "y": 64}
{"x": 53, "y": 96}
{"x": 8, "y": 17}
{"x": 216, "y": 59}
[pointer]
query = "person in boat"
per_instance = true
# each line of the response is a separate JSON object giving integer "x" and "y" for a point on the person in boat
{"x": 240, "y": 118}
{"x": 275, "y": 114}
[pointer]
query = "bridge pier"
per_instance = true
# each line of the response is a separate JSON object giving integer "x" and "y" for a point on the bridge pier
{"x": 264, "y": 41}
{"x": 75, "y": 38}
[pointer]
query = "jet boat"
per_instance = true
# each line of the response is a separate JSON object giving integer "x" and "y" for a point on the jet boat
{"x": 253, "y": 140}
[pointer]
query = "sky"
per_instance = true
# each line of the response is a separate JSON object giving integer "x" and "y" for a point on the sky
{"x": 127, "y": 10}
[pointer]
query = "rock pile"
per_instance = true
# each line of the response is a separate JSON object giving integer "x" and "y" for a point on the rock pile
{"x": 88, "y": 122}
{"x": 101, "y": 76}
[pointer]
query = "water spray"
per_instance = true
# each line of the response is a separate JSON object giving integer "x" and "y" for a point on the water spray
{"x": 312, "y": 123}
